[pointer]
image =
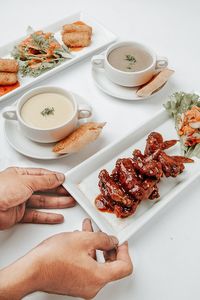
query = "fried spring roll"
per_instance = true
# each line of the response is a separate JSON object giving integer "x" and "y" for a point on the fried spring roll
{"x": 8, "y": 78}
{"x": 8, "y": 65}
{"x": 76, "y": 39}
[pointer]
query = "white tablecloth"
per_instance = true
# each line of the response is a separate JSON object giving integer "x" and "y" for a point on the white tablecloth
{"x": 166, "y": 252}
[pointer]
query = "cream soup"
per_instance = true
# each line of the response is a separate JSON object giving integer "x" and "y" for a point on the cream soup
{"x": 130, "y": 59}
{"x": 47, "y": 110}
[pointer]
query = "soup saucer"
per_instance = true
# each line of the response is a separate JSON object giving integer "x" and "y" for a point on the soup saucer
{"x": 31, "y": 149}
{"x": 118, "y": 91}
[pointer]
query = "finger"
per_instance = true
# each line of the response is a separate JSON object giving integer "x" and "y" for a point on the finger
{"x": 46, "y": 201}
{"x": 33, "y": 171}
{"x": 87, "y": 226}
{"x": 120, "y": 268}
{"x": 110, "y": 255}
{"x": 102, "y": 241}
{"x": 20, "y": 212}
{"x": 123, "y": 253}
{"x": 37, "y": 217}
{"x": 60, "y": 190}
{"x": 43, "y": 182}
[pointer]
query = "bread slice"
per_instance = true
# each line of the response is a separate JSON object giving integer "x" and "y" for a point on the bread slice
{"x": 7, "y": 78}
{"x": 76, "y": 39}
{"x": 78, "y": 139}
{"x": 8, "y": 65}
{"x": 77, "y": 28}
{"x": 157, "y": 82}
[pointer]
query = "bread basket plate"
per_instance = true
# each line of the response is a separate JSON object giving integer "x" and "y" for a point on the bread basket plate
{"x": 101, "y": 38}
{"x": 31, "y": 149}
{"x": 82, "y": 181}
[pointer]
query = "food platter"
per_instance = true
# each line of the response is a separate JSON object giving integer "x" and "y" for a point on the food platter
{"x": 82, "y": 181}
{"x": 100, "y": 39}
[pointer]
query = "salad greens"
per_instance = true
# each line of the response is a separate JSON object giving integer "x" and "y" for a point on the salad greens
{"x": 179, "y": 103}
{"x": 39, "y": 52}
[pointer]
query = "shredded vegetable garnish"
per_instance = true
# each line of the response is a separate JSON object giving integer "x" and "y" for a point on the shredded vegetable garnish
{"x": 185, "y": 109}
{"x": 39, "y": 52}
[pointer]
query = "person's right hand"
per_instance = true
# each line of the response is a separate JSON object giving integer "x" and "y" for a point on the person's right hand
{"x": 65, "y": 264}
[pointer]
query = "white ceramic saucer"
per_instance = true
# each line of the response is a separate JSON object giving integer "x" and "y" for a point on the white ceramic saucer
{"x": 117, "y": 91}
{"x": 23, "y": 145}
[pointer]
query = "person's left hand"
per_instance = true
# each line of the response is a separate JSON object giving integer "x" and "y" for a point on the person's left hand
{"x": 23, "y": 190}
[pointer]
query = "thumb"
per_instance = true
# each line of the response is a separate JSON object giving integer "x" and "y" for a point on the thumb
{"x": 44, "y": 181}
{"x": 119, "y": 268}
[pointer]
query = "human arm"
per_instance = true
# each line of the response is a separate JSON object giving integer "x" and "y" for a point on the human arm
{"x": 18, "y": 279}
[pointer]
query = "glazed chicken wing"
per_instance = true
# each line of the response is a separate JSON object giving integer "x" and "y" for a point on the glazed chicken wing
{"x": 155, "y": 141}
{"x": 110, "y": 189}
{"x": 135, "y": 178}
{"x": 125, "y": 173}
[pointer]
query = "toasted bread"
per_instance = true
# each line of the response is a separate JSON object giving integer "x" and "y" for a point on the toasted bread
{"x": 77, "y": 34}
{"x": 8, "y": 65}
{"x": 77, "y": 28}
{"x": 157, "y": 82}
{"x": 76, "y": 39}
{"x": 78, "y": 139}
{"x": 7, "y": 78}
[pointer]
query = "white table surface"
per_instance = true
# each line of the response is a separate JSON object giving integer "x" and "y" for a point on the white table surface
{"x": 166, "y": 252}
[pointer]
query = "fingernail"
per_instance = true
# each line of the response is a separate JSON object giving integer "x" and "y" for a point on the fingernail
{"x": 87, "y": 220}
{"x": 58, "y": 218}
{"x": 115, "y": 240}
{"x": 60, "y": 177}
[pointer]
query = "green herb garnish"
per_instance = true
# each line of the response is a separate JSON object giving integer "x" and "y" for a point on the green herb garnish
{"x": 131, "y": 61}
{"x": 48, "y": 111}
{"x": 130, "y": 58}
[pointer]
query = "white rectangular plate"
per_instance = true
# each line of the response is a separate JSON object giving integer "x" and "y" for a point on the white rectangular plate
{"x": 101, "y": 38}
{"x": 82, "y": 181}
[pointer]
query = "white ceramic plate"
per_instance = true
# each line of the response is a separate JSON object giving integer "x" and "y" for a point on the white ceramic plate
{"x": 23, "y": 145}
{"x": 117, "y": 91}
{"x": 101, "y": 38}
{"x": 82, "y": 181}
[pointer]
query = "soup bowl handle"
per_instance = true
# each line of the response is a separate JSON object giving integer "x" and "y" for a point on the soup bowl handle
{"x": 98, "y": 61}
{"x": 84, "y": 111}
{"x": 9, "y": 113}
{"x": 161, "y": 62}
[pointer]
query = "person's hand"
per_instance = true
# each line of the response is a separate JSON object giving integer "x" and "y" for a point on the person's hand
{"x": 66, "y": 264}
{"x": 24, "y": 190}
